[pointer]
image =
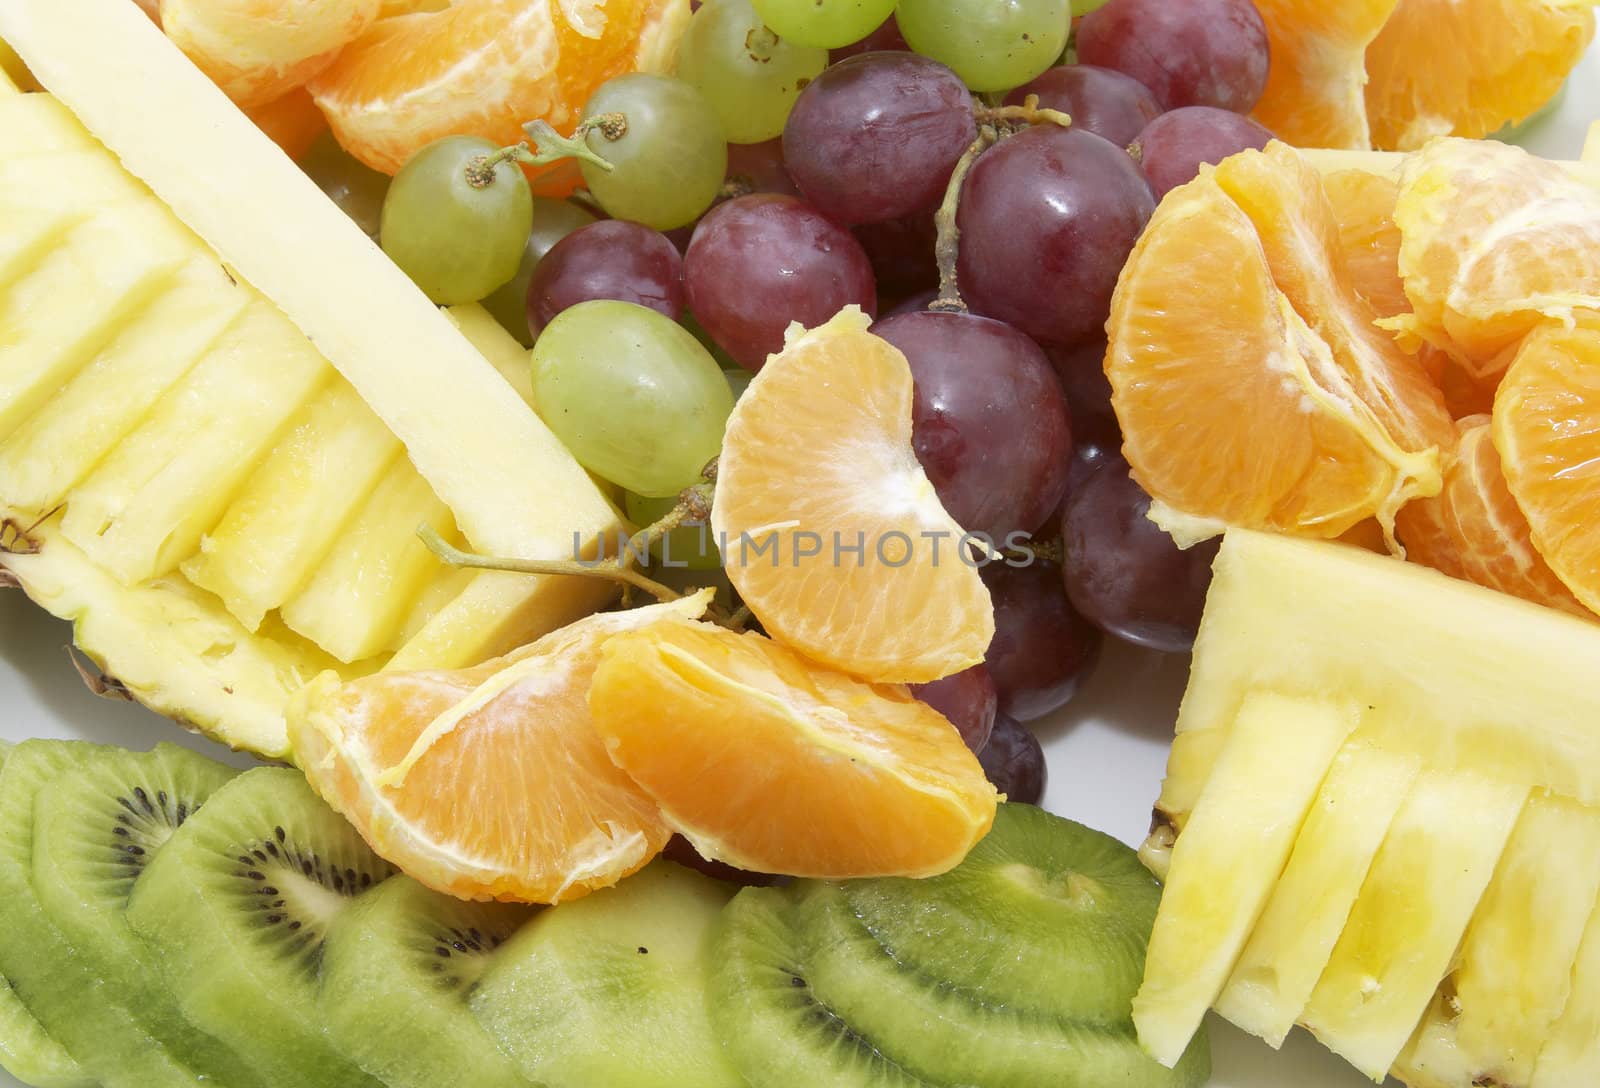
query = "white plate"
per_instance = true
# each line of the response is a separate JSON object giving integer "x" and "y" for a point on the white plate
{"x": 1107, "y": 751}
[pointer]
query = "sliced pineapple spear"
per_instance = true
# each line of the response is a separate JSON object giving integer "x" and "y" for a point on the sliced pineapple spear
{"x": 1435, "y": 911}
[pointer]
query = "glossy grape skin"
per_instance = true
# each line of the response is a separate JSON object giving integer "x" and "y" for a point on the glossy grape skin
{"x": 1099, "y": 100}
{"x": 989, "y": 422}
{"x": 669, "y": 166}
{"x": 762, "y": 261}
{"x": 1172, "y": 148}
{"x": 968, "y": 698}
{"x": 994, "y": 45}
{"x": 827, "y": 24}
{"x": 691, "y": 546}
{"x": 553, "y": 220}
{"x": 1124, "y": 573}
{"x": 759, "y": 168}
{"x": 1096, "y": 436}
{"x": 1042, "y": 647}
{"x": 1195, "y": 53}
{"x": 902, "y": 254}
{"x": 456, "y": 241}
{"x": 1013, "y": 761}
{"x": 357, "y": 188}
{"x": 612, "y": 259}
{"x": 631, "y": 394}
{"x": 875, "y": 137}
{"x": 887, "y": 36}
{"x": 1047, "y": 219}
{"x": 750, "y": 75}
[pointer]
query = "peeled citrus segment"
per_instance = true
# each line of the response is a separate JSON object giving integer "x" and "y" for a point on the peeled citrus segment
{"x": 1467, "y": 67}
{"x": 293, "y": 122}
{"x": 260, "y": 50}
{"x": 1264, "y": 398}
{"x": 833, "y": 534}
{"x": 1363, "y": 206}
{"x": 1474, "y": 530}
{"x": 768, "y": 762}
{"x": 1314, "y": 95}
{"x": 1495, "y": 241}
{"x": 486, "y": 67}
{"x": 489, "y": 782}
{"x": 1547, "y": 430}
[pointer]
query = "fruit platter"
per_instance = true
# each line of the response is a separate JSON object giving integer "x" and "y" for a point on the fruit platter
{"x": 754, "y": 543}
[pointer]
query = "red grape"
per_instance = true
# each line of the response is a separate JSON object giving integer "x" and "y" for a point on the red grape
{"x": 1174, "y": 146}
{"x": 1099, "y": 100}
{"x": 912, "y": 304}
{"x": 886, "y": 37}
{"x": 1042, "y": 647}
{"x": 1082, "y": 371}
{"x": 612, "y": 259}
{"x": 1013, "y": 761}
{"x": 902, "y": 253}
{"x": 968, "y": 699}
{"x": 876, "y": 136}
{"x": 1123, "y": 572}
{"x": 1194, "y": 53}
{"x": 1047, "y": 219}
{"x": 759, "y": 262}
{"x": 989, "y": 422}
{"x": 759, "y": 168}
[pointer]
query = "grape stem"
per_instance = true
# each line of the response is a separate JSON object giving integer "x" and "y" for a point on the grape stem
{"x": 1029, "y": 113}
{"x": 549, "y": 146}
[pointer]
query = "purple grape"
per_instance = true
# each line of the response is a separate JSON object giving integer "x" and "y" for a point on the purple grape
{"x": 1172, "y": 148}
{"x": 1195, "y": 53}
{"x": 1123, "y": 572}
{"x": 968, "y": 699}
{"x": 759, "y": 168}
{"x": 1082, "y": 372}
{"x": 1047, "y": 219}
{"x": 682, "y": 851}
{"x": 611, "y": 259}
{"x": 1042, "y": 647}
{"x": 1013, "y": 761}
{"x": 989, "y": 422}
{"x": 876, "y": 136}
{"x": 902, "y": 253}
{"x": 886, "y": 37}
{"x": 912, "y": 304}
{"x": 759, "y": 262}
{"x": 1099, "y": 100}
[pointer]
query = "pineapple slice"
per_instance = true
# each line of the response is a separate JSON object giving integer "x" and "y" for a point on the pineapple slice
{"x": 1295, "y": 937}
{"x": 1229, "y": 857}
{"x": 32, "y": 237}
{"x": 37, "y": 124}
{"x": 1571, "y": 1059}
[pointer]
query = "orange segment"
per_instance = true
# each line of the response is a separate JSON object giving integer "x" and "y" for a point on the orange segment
{"x": 486, "y": 67}
{"x": 488, "y": 782}
{"x": 1363, "y": 206}
{"x": 1467, "y": 67}
{"x": 834, "y": 536}
{"x": 1314, "y": 87}
{"x": 1475, "y": 531}
{"x": 768, "y": 762}
{"x": 1267, "y": 399}
{"x": 260, "y": 50}
{"x": 1547, "y": 430}
{"x": 1496, "y": 241}
{"x": 293, "y": 122}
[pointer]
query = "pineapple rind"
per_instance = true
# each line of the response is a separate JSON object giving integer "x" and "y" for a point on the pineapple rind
{"x": 1409, "y": 919}
{"x": 1297, "y": 932}
{"x": 1228, "y": 859}
{"x": 1571, "y": 1059}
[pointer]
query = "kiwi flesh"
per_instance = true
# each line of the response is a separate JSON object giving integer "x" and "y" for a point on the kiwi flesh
{"x": 235, "y": 908}
{"x": 58, "y": 985}
{"x": 1015, "y": 970}
{"x": 397, "y": 969}
{"x": 611, "y": 989}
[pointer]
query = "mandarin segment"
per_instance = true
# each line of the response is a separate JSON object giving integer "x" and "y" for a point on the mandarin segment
{"x": 1315, "y": 86}
{"x": 834, "y": 535}
{"x": 1468, "y": 67}
{"x": 770, "y": 763}
{"x": 489, "y": 782}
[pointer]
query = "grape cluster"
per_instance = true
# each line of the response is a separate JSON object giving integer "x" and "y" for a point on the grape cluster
{"x": 975, "y": 172}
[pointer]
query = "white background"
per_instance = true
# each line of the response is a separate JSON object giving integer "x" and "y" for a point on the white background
{"x": 1106, "y": 751}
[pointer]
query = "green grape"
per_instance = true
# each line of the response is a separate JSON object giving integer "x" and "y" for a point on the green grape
{"x": 457, "y": 240}
{"x": 826, "y": 24}
{"x": 692, "y": 546}
{"x": 632, "y": 394}
{"x": 750, "y": 75}
{"x": 738, "y": 381}
{"x": 669, "y": 165}
{"x": 1084, "y": 7}
{"x": 993, "y": 45}
{"x": 724, "y": 360}
{"x": 553, "y": 220}
{"x": 357, "y": 188}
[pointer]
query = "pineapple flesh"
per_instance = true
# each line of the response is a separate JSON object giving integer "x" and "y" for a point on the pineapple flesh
{"x": 1437, "y": 915}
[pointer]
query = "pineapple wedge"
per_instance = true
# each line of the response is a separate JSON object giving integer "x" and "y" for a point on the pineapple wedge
{"x": 1437, "y": 917}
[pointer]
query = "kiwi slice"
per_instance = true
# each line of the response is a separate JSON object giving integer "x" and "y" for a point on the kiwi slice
{"x": 397, "y": 968}
{"x": 1015, "y": 970}
{"x": 235, "y": 908}
{"x": 611, "y": 989}
{"x": 59, "y": 986}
